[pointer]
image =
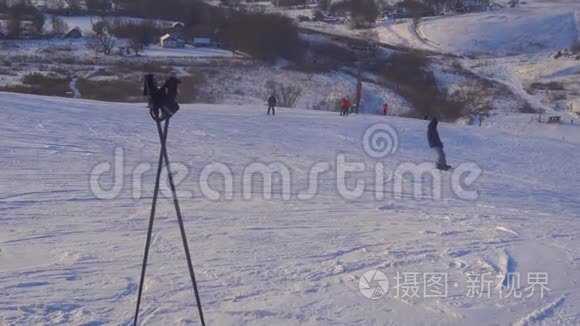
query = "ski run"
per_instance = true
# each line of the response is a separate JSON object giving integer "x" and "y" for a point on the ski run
{"x": 70, "y": 256}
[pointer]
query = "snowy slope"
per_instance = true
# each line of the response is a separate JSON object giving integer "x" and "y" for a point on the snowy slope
{"x": 535, "y": 27}
{"x": 518, "y": 30}
{"x": 67, "y": 257}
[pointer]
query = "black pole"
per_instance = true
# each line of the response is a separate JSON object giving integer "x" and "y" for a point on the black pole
{"x": 162, "y": 106}
{"x": 151, "y": 216}
{"x": 163, "y": 138}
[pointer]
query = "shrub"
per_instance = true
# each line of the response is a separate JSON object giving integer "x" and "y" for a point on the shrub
{"x": 549, "y": 86}
{"x": 139, "y": 34}
{"x": 41, "y": 85}
{"x": 151, "y": 67}
{"x": 190, "y": 89}
{"x": 58, "y": 25}
{"x": 410, "y": 75}
{"x": 325, "y": 57}
{"x": 326, "y": 105}
{"x": 363, "y": 13}
{"x": 264, "y": 36}
{"x": 287, "y": 95}
{"x": 111, "y": 90}
{"x": 527, "y": 108}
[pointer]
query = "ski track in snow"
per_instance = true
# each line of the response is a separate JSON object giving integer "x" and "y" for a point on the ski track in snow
{"x": 541, "y": 313}
{"x": 69, "y": 258}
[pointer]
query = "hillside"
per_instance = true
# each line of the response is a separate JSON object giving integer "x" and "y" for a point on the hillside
{"x": 509, "y": 31}
{"x": 515, "y": 47}
{"x": 68, "y": 257}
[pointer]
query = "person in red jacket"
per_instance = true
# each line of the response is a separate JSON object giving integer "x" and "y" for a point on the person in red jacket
{"x": 385, "y": 108}
{"x": 344, "y": 107}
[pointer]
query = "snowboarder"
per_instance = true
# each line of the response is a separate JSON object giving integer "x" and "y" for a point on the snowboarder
{"x": 344, "y": 106}
{"x": 385, "y": 108}
{"x": 437, "y": 145}
{"x": 272, "y": 104}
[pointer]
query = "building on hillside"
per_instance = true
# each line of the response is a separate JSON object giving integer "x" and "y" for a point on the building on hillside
{"x": 177, "y": 28}
{"x": 202, "y": 42}
{"x": 171, "y": 41}
{"x": 74, "y": 33}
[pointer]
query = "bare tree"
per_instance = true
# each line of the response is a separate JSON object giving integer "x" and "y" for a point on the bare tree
{"x": 3, "y": 5}
{"x": 96, "y": 5}
{"x": 230, "y": 3}
{"x": 136, "y": 45}
{"x": 74, "y": 5}
{"x": 324, "y": 5}
{"x": 101, "y": 41}
{"x": 59, "y": 26}
{"x": 263, "y": 36}
{"x": 38, "y": 23}
{"x": 287, "y": 95}
{"x": 363, "y": 13}
{"x": 14, "y": 19}
{"x": 139, "y": 34}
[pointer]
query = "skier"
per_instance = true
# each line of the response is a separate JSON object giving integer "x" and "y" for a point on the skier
{"x": 385, "y": 108}
{"x": 437, "y": 145}
{"x": 344, "y": 106}
{"x": 272, "y": 104}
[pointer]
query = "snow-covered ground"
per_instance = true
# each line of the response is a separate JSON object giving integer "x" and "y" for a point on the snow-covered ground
{"x": 85, "y": 23}
{"x": 78, "y": 48}
{"x": 513, "y": 46}
{"x": 534, "y": 27}
{"x": 508, "y": 31}
{"x": 68, "y": 257}
{"x": 188, "y": 51}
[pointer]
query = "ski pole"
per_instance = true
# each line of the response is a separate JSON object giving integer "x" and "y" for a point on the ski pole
{"x": 151, "y": 219}
{"x": 163, "y": 138}
{"x": 162, "y": 107}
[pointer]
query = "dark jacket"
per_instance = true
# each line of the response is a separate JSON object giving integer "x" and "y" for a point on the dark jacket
{"x": 272, "y": 101}
{"x": 433, "y": 135}
{"x": 170, "y": 88}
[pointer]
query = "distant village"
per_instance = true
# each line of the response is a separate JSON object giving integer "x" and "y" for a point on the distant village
{"x": 41, "y": 19}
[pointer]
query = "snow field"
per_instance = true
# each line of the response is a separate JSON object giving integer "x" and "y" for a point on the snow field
{"x": 67, "y": 257}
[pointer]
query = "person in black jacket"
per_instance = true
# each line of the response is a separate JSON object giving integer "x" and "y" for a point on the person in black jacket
{"x": 272, "y": 104}
{"x": 437, "y": 145}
